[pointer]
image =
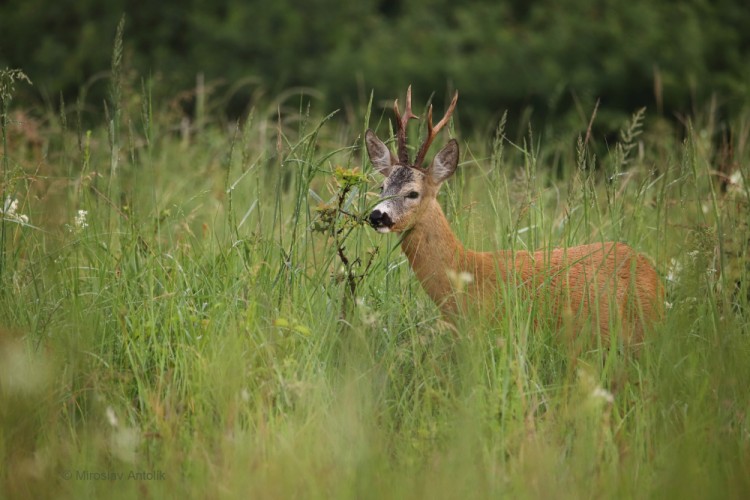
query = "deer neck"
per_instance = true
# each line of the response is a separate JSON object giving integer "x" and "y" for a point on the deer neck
{"x": 434, "y": 252}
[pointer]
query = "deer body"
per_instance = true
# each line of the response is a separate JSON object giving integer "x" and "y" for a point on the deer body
{"x": 578, "y": 282}
{"x": 583, "y": 282}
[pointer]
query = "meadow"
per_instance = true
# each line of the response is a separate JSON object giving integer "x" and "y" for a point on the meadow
{"x": 195, "y": 307}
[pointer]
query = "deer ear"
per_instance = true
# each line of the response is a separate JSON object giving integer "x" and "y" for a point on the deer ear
{"x": 379, "y": 154}
{"x": 445, "y": 162}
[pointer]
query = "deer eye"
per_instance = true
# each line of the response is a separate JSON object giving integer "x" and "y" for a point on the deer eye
{"x": 413, "y": 195}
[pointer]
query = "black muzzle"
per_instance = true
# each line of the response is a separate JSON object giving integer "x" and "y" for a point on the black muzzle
{"x": 380, "y": 219}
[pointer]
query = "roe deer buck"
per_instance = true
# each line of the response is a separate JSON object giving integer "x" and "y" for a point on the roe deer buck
{"x": 584, "y": 281}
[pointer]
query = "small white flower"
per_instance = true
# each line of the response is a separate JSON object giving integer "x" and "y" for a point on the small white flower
{"x": 124, "y": 439}
{"x": 80, "y": 220}
{"x": 736, "y": 183}
{"x": 368, "y": 316}
{"x": 466, "y": 278}
{"x": 601, "y": 393}
{"x": 460, "y": 279}
{"x": 112, "y": 417}
{"x": 674, "y": 270}
{"x": 10, "y": 207}
{"x": 10, "y": 211}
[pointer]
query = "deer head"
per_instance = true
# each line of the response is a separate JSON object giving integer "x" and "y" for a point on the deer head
{"x": 408, "y": 188}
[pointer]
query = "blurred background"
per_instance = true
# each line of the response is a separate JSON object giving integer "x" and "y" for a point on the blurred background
{"x": 543, "y": 58}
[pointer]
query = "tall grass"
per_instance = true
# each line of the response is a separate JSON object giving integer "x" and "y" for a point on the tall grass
{"x": 201, "y": 302}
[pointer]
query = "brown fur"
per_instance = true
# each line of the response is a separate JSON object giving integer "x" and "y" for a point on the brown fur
{"x": 579, "y": 281}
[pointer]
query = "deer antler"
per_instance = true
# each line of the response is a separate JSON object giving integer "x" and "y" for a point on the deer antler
{"x": 401, "y": 122}
{"x": 432, "y": 131}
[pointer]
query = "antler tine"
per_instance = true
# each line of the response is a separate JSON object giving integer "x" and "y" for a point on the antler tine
{"x": 401, "y": 122}
{"x": 432, "y": 131}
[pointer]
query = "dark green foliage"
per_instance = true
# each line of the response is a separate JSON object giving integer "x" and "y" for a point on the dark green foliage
{"x": 547, "y": 56}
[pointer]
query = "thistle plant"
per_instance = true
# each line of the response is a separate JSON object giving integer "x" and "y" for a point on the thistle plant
{"x": 338, "y": 220}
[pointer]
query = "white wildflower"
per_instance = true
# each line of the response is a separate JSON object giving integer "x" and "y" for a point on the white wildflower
{"x": 10, "y": 211}
{"x": 601, "y": 393}
{"x": 367, "y": 315}
{"x": 674, "y": 270}
{"x": 124, "y": 440}
{"x": 112, "y": 417}
{"x": 736, "y": 183}
{"x": 593, "y": 389}
{"x": 466, "y": 278}
{"x": 80, "y": 220}
{"x": 460, "y": 279}
{"x": 736, "y": 177}
{"x": 10, "y": 206}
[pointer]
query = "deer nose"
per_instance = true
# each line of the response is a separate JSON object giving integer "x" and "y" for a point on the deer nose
{"x": 380, "y": 219}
